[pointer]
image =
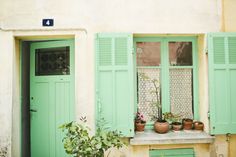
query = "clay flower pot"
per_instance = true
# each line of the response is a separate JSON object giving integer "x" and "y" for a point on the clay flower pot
{"x": 198, "y": 125}
{"x": 176, "y": 126}
{"x": 139, "y": 126}
{"x": 187, "y": 124}
{"x": 161, "y": 126}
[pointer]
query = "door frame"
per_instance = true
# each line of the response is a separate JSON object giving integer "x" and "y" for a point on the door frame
{"x": 19, "y": 45}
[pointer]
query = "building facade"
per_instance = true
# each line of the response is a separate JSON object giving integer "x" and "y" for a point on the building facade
{"x": 101, "y": 48}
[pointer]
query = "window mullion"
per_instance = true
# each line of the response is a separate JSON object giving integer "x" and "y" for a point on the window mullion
{"x": 165, "y": 77}
{"x": 195, "y": 80}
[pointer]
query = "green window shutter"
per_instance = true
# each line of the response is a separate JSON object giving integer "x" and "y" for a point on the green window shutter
{"x": 222, "y": 84}
{"x": 115, "y": 81}
{"x": 182, "y": 152}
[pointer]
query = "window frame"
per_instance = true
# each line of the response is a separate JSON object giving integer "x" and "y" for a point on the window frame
{"x": 164, "y": 66}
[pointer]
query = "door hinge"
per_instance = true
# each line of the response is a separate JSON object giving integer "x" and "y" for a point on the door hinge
{"x": 208, "y": 114}
{"x": 132, "y": 50}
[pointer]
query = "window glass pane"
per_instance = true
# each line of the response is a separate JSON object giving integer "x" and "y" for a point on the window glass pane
{"x": 147, "y": 96}
{"x": 180, "y": 53}
{"x": 148, "y": 53}
{"x": 52, "y": 61}
{"x": 181, "y": 92}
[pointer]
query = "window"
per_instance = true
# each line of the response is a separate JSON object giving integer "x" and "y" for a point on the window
{"x": 172, "y": 62}
{"x": 52, "y": 61}
{"x": 119, "y": 85}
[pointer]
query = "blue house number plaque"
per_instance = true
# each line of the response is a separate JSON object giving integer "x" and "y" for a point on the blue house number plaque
{"x": 48, "y": 22}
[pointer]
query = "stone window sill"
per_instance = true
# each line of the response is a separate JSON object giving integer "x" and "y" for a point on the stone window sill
{"x": 150, "y": 137}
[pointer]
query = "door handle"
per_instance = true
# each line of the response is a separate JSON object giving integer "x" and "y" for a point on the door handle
{"x": 32, "y": 110}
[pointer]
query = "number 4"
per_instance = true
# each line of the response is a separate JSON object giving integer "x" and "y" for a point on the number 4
{"x": 48, "y": 22}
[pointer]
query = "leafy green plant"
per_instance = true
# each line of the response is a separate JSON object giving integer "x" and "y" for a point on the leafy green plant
{"x": 171, "y": 117}
{"x": 79, "y": 143}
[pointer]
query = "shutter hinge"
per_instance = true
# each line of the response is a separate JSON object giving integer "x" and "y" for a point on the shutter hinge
{"x": 99, "y": 106}
{"x": 208, "y": 114}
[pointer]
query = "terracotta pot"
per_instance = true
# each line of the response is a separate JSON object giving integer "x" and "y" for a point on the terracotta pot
{"x": 139, "y": 126}
{"x": 176, "y": 126}
{"x": 187, "y": 124}
{"x": 161, "y": 127}
{"x": 198, "y": 125}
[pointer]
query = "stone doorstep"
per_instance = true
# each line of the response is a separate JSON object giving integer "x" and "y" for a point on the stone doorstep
{"x": 150, "y": 137}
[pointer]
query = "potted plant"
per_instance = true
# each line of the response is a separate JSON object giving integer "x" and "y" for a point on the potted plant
{"x": 197, "y": 125}
{"x": 174, "y": 120}
{"x": 176, "y": 126}
{"x": 79, "y": 143}
{"x": 187, "y": 124}
{"x": 160, "y": 124}
{"x": 140, "y": 122}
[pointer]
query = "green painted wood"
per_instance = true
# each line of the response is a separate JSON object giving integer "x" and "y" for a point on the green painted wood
{"x": 52, "y": 96}
{"x": 222, "y": 76}
{"x": 183, "y": 152}
{"x": 115, "y": 81}
{"x": 232, "y": 50}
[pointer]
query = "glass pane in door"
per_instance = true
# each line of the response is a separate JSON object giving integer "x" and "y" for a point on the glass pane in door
{"x": 52, "y": 61}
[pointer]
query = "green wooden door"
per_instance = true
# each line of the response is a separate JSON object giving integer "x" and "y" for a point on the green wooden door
{"x": 51, "y": 95}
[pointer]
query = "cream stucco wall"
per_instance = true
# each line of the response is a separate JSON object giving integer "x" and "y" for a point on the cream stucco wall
{"x": 151, "y": 16}
{"x": 229, "y": 15}
{"x": 6, "y": 88}
{"x": 80, "y": 20}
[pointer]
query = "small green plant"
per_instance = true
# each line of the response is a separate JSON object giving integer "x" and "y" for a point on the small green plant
{"x": 171, "y": 117}
{"x": 79, "y": 143}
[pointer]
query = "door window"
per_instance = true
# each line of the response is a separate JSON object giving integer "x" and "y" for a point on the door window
{"x": 52, "y": 61}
